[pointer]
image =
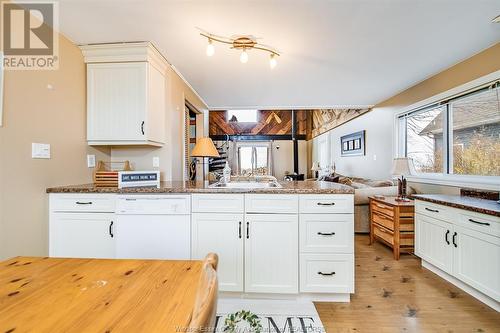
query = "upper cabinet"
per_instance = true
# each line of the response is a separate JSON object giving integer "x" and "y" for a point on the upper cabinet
{"x": 126, "y": 94}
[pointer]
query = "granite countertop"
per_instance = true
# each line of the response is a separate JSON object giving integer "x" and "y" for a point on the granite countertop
{"x": 490, "y": 207}
{"x": 295, "y": 187}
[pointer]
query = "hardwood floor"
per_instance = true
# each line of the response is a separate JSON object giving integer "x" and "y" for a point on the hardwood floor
{"x": 401, "y": 296}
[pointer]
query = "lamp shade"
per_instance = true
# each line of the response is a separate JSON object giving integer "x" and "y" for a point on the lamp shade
{"x": 315, "y": 167}
{"x": 403, "y": 166}
{"x": 204, "y": 148}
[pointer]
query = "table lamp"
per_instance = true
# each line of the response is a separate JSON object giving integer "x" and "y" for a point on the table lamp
{"x": 204, "y": 148}
{"x": 400, "y": 167}
{"x": 316, "y": 168}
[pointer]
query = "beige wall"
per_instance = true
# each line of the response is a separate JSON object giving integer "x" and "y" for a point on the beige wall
{"x": 379, "y": 123}
{"x": 34, "y": 113}
{"x": 171, "y": 162}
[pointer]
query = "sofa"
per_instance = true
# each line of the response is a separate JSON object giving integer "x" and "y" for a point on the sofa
{"x": 363, "y": 189}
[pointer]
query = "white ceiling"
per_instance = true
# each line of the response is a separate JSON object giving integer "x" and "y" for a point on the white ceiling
{"x": 333, "y": 52}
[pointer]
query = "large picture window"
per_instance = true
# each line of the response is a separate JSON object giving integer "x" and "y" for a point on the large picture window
{"x": 458, "y": 136}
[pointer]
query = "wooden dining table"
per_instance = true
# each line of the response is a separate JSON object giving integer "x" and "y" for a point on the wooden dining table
{"x": 40, "y": 294}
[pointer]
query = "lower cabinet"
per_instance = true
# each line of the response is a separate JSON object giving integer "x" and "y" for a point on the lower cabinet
{"x": 153, "y": 237}
{"x": 477, "y": 260}
{"x": 271, "y": 253}
{"x": 222, "y": 234}
{"x": 468, "y": 250}
{"x": 433, "y": 238}
{"x": 82, "y": 235}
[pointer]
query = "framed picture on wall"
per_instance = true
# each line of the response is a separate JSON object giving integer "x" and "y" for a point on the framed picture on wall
{"x": 353, "y": 144}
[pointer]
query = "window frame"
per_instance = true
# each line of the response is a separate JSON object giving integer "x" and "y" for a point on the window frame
{"x": 447, "y": 177}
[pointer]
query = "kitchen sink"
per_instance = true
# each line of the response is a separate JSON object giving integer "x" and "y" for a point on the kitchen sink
{"x": 248, "y": 185}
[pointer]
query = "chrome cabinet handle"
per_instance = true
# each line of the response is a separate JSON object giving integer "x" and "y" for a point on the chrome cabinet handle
{"x": 326, "y": 204}
{"x": 84, "y": 203}
{"x": 326, "y": 274}
{"x": 477, "y": 222}
{"x": 432, "y": 210}
{"x": 326, "y": 233}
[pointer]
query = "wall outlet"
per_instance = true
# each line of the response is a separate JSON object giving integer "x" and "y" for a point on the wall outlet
{"x": 40, "y": 150}
{"x": 91, "y": 161}
{"x": 156, "y": 162}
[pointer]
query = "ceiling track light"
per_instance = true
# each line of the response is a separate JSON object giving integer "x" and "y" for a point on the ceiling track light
{"x": 243, "y": 43}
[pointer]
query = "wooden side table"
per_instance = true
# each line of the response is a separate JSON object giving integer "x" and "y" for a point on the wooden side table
{"x": 392, "y": 222}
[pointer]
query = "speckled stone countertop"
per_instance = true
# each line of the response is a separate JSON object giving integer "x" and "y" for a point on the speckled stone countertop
{"x": 298, "y": 187}
{"x": 490, "y": 207}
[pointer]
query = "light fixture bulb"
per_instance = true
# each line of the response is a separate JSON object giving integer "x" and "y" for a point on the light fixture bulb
{"x": 244, "y": 57}
{"x": 210, "y": 48}
{"x": 272, "y": 61}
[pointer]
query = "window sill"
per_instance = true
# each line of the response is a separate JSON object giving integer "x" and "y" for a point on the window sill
{"x": 477, "y": 182}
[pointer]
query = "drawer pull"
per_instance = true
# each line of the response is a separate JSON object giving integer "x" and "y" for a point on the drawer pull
{"x": 326, "y": 233}
{"x": 326, "y": 204}
{"x": 380, "y": 206}
{"x": 477, "y": 222}
{"x": 446, "y": 237}
{"x": 111, "y": 229}
{"x": 432, "y": 210}
{"x": 326, "y": 274}
{"x": 239, "y": 230}
{"x": 84, "y": 203}
{"x": 453, "y": 239}
{"x": 382, "y": 230}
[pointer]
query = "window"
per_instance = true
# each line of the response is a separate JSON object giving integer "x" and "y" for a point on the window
{"x": 458, "y": 136}
{"x": 242, "y": 116}
{"x": 253, "y": 159}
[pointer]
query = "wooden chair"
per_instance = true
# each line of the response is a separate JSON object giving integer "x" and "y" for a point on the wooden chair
{"x": 205, "y": 306}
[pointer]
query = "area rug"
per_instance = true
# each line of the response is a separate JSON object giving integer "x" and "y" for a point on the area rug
{"x": 274, "y": 316}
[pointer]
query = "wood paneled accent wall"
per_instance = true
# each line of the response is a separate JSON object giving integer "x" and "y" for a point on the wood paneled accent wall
{"x": 324, "y": 120}
{"x": 269, "y": 122}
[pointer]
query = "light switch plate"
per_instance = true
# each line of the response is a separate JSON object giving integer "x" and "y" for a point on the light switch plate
{"x": 91, "y": 161}
{"x": 40, "y": 150}
{"x": 156, "y": 162}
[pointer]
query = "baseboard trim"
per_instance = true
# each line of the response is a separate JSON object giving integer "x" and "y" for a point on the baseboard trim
{"x": 465, "y": 287}
{"x": 320, "y": 297}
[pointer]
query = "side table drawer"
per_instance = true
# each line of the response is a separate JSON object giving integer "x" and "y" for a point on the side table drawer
{"x": 383, "y": 233}
{"x": 378, "y": 207}
{"x": 383, "y": 220}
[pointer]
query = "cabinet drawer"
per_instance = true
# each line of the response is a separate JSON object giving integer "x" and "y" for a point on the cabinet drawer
{"x": 271, "y": 203}
{"x": 480, "y": 222}
{"x": 104, "y": 203}
{"x": 382, "y": 209}
{"x": 153, "y": 204}
{"x": 329, "y": 203}
{"x": 218, "y": 203}
{"x": 383, "y": 220}
{"x": 435, "y": 211}
{"x": 327, "y": 273}
{"x": 326, "y": 233}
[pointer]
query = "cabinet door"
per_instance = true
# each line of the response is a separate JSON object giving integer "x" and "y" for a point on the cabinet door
{"x": 433, "y": 242}
{"x": 221, "y": 234}
{"x": 81, "y": 235}
{"x": 116, "y": 101}
{"x": 153, "y": 237}
{"x": 477, "y": 261}
{"x": 271, "y": 253}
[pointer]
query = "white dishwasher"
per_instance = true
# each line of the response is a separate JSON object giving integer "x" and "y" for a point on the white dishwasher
{"x": 153, "y": 227}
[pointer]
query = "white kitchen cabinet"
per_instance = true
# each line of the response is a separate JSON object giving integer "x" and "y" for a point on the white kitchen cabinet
{"x": 271, "y": 253}
{"x": 126, "y": 94}
{"x": 222, "y": 234}
{"x": 433, "y": 240}
{"x": 477, "y": 260}
{"x": 153, "y": 237}
{"x": 461, "y": 246}
{"x": 82, "y": 235}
